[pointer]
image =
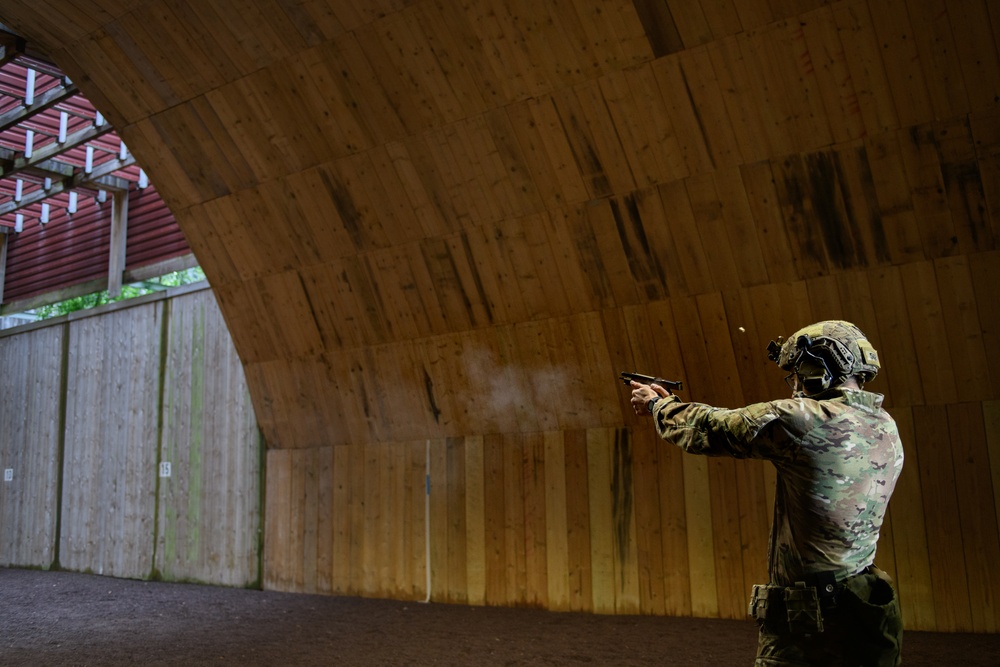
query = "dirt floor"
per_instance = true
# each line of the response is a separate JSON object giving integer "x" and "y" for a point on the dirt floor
{"x": 66, "y": 619}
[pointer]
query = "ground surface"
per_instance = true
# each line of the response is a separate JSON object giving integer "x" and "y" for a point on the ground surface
{"x": 65, "y": 619}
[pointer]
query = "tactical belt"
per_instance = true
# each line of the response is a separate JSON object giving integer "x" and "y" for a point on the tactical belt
{"x": 800, "y": 606}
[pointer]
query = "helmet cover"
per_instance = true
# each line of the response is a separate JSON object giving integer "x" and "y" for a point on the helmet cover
{"x": 839, "y": 346}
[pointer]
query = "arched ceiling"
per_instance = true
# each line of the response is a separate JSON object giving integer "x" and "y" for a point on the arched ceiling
{"x": 434, "y": 217}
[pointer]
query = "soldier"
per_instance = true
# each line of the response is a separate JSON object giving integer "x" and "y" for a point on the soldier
{"x": 838, "y": 456}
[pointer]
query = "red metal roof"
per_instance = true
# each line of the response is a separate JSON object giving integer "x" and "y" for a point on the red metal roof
{"x": 72, "y": 247}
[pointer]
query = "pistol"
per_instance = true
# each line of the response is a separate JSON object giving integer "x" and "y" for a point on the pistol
{"x": 669, "y": 385}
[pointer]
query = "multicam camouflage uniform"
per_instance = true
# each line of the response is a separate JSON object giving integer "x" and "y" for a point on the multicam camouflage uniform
{"x": 838, "y": 456}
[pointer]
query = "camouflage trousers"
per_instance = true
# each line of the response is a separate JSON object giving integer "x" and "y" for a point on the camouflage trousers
{"x": 862, "y": 627}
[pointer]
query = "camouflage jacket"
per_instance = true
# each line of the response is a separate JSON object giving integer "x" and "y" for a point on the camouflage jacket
{"x": 837, "y": 454}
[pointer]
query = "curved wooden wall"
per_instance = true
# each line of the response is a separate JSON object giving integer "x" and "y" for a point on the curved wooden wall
{"x": 437, "y": 230}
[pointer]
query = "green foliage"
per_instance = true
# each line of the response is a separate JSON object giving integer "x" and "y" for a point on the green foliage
{"x": 175, "y": 279}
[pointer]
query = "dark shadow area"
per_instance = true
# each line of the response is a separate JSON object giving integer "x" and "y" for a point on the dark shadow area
{"x": 62, "y": 618}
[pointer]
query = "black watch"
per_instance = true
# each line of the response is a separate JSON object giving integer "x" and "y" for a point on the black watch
{"x": 650, "y": 403}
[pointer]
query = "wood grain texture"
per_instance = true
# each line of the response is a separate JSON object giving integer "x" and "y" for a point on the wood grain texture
{"x": 452, "y": 222}
{"x": 104, "y": 399}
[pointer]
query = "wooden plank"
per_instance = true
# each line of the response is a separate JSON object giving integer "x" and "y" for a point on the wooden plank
{"x": 895, "y": 205}
{"x": 387, "y": 181}
{"x": 232, "y": 55}
{"x": 535, "y": 520}
{"x": 692, "y": 255}
{"x": 543, "y": 271}
{"x": 596, "y": 143}
{"x": 930, "y": 338}
{"x": 358, "y": 557}
{"x": 455, "y": 491}
{"x": 475, "y": 508}
{"x": 653, "y": 344}
{"x": 726, "y": 538}
{"x": 707, "y": 210}
{"x": 623, "y": 501}
{"x": 371, "y": 537}
{"x": 166, "y": 168}
{"x": 974, "y": 488}
{"x": 341, "y": 513}
{"x": 495, "y": 520}
{"x": 692, "y": 25}
{"x": 557, "y": 554}
{"x": 863, "y": 52}
{"x": 986, "y": 135}
{"x": 513, "y": 385}
{"x": 515, "y": 533}
{"x": 684, "y": 114}
{"x": 390, "y": 77}
{"x": 649, "y": 523}
{"x": 496, "y": 248}
{"x": 586, "y": 34}
{"x": 456, "y": 49}
{"x": 658, "y": 26}
{"x": 457, "y": 283}
{"x": 794, "y": 182}
{"x": 527, "y": 154}
{"x": 477, "y": 152}
{"x": 704, "y": 89}
{"x": 834, "y": 85}
{"x": 813, "y": 115}
{"x": 414, "y": 54}
{"x": 349, "y": 130}
{"x": 934, "y": 36}
{"x": 578, "y": 523}
{"x": 458, "y": 194}
{"x": 906, "y": 83}
{"x": 722, "y": 473}
{"x": 631, "y": 127}
{"x": 529, "y": 375}
{"x": 949, "y": 575}
{"x": 959, "y": 164}
{"x": 698, "y": 503}
{"x": 898, "y": 352}
{"x": 985, "y": 271}
{"x": 607, "y": 244}
{"x": 30, "y": 418}
{"x": 599, "y": 444}
{"x": 654, "y": 255}
{"x": 304, "y": 539}
{"x": 735, "y": 83}
{"x": 740, "y": 227}
{"x": 661, "y": 133}
{"x": 772, "y": 98}
{"x": 278, "y": 511}
{"x": 122, "y": 80}
{"x": 416, "y": 516}
{"x": 991, "y": 415}
{"x": 909, "y": 535}
{"x": 509, "y": 66}
{"x": 974, "y": 30}
{"x": 701, "y": 546}
{"x": 360, "y": 83}
{"x": 759, "y": 181}
{"x": 553, "y": 134}
{"x": 967, "y": 350}
{"x": 674, "y": 513}
{"x": 525, "y": 194}
{"x": 749, "y": 341}
{"x": 862, "y": 217}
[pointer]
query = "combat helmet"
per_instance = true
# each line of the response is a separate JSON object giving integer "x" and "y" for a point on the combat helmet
{"x": 824, "y": 354}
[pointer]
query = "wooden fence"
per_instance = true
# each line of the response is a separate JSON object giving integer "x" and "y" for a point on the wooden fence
{"x": 92, "y": 406}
